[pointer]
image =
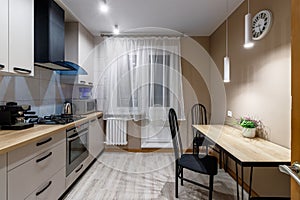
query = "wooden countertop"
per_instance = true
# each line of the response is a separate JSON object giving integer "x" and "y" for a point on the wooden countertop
{"x": 246, "y": 150}
{"x": 13, "y": 139}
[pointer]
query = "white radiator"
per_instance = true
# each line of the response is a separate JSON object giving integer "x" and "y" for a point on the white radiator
{"x": 116, "y": 132}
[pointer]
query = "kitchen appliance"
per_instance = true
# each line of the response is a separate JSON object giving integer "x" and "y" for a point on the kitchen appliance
{"x": 49, "y": 49}
{"x": 77, "y": 147}
{"x": 67, "y": 108}
{"x": 13, "y": 116}
{"x": 84, "y": 106}
{"x": 55, "y": 119}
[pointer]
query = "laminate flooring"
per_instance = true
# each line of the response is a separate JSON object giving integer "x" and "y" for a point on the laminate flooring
{"x": 138, "y": 176}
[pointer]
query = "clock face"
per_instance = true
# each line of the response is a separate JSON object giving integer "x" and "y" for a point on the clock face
{"x": 261, "y": 24}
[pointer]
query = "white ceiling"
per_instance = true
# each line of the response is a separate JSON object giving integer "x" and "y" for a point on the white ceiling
{"x": 191, "y": 17}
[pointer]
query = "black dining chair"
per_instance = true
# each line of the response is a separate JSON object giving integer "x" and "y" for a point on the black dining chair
{"x": 199, "y": 116}
{"x": 205, "y": 165}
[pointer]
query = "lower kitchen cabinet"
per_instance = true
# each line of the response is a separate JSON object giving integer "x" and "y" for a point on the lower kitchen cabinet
{"x": 3, "y": 169}
{"x": 33, "y": 175}
{"x": 70, "y": 179}
{"x": 51, "y": 188}
{"x": 96, "y": 136}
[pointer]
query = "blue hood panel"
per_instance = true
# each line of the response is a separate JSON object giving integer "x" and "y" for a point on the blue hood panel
{"x": 74, "y": 68}
{"x": 63, "y": 67}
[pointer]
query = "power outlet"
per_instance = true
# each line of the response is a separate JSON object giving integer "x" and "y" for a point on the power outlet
{"x": 229, "y": 113}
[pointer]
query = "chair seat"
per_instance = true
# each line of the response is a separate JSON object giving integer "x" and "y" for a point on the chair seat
{"x": 206, "y": 165}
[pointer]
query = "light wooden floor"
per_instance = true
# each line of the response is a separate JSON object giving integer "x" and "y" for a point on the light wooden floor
{"x": 137, "y": 176}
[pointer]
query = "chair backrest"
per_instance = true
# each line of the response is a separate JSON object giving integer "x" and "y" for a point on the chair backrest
{"x": 199, "y": 115}
{"x": 177, "y": 145}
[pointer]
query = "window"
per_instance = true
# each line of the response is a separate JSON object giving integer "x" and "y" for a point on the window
{"x": 158, "y": 92}
{"x": 161, "y": 76}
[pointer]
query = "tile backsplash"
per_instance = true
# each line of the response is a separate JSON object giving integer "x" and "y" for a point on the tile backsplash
{"x": 44, "y": 91}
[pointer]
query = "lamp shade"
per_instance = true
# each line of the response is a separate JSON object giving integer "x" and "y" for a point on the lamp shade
{"x": 248, "y": 31}
{"x": 226, "y": 69}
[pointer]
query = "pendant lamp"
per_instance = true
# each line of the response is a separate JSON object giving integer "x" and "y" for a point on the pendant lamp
{"x": 226, "y": 59}
{"x": 248, "y": 29}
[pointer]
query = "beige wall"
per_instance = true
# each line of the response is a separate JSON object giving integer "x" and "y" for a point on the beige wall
{"x": 260, "y": 80}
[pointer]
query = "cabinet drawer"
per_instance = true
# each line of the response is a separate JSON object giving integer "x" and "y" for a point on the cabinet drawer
{"x": 25, "y": 153}
{"x": 3, "y": 176}
{"x": 51, "y": 189}
{"x": 78, "y": 171}
{"x": 25, "y": 178}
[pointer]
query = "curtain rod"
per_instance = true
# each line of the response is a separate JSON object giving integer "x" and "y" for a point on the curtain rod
{"x": 140, "y": 35}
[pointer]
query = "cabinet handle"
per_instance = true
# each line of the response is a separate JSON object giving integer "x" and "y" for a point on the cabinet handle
{"x": 43, "y": 158}
{"x": 82, "y": 82}
{"x": 42, "y": 190}
{"x": 21, "y": 70}
{"x": 93, "y": 120}
{"x": 77, "y": 170}
{"x": 90, "y": 83}
{"x": 1, "y": 66}
{"x": 44, "y": 142}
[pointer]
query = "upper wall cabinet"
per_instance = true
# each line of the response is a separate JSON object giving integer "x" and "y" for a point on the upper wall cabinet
{"x": 21, "y": 36}
{"x": 4, "y": 36}
{"x": 79, "y": 48}
{"x": 16, "y": 37}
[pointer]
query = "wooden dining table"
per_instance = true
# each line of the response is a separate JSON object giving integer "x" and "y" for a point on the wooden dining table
{"x": 247, "y": 152}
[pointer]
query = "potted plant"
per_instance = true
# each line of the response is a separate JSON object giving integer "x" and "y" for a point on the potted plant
{"x": 249, "y": 126}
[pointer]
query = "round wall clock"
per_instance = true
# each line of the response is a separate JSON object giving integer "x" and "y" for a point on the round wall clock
{"x": 261, "y": 24}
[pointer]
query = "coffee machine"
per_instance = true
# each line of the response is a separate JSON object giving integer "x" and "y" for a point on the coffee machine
{"x": 12, "y": 116}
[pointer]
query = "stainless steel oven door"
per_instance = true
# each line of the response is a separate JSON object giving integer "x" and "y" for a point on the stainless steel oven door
{"x": 77, "y": 143}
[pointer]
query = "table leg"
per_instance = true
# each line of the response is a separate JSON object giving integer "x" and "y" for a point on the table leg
{"x": 250, "y": 186}
{"x": 242, "y": 169}
{"x": 237, "y": 180}
{"x": 220, "y": 159}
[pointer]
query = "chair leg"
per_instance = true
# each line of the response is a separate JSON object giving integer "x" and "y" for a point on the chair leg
{"x": 182, "y": 176}
{"x": 195, "y": 149}
{"x": 220, "y": 158}
{"x": 176, "y": 179}
{"x": 211, "y": 186}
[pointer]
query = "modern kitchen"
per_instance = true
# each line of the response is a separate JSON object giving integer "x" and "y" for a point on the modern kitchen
{"x": 89, "y": 90}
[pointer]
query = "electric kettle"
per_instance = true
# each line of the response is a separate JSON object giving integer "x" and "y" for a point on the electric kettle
{"x": 67, "y": 108}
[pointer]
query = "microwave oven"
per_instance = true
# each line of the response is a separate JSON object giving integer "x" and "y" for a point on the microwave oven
{"x": 84, "y": 106}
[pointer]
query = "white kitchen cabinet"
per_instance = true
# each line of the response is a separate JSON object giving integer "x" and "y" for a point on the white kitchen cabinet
{"x": 31, "y": 167}
{"x": 51, "y": 188}
{"x": 4, "y": 36}
{"x": 21, "y": 36}
{"x": 27, "y": 152}
{"x": 3, "y": 177}
{"x": 96, "y": 136}
{"x": 79, "y": 48}
{"x": 17, "y": 37}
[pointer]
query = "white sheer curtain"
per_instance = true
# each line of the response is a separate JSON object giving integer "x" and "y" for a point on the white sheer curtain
{"x": 142, "y": 78}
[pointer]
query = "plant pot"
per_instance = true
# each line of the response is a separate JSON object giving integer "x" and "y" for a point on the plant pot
{"x": 249, "y": 132}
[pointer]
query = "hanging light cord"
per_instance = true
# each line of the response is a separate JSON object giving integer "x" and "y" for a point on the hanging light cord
{"x": 226, "y": 39}
{"x": 248, "y": 6}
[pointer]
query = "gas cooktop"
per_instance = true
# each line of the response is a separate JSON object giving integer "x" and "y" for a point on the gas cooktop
{"x": 56, "y": 119}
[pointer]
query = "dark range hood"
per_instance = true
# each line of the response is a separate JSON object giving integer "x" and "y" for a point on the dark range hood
{"x": 49, "y": 40}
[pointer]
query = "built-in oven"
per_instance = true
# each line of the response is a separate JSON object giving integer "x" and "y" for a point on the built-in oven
{"x": 77, "y": 146}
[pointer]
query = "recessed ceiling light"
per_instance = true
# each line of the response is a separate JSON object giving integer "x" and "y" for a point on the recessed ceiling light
{"x": 104, "y": 7}
{"x": 116, "y": 30}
